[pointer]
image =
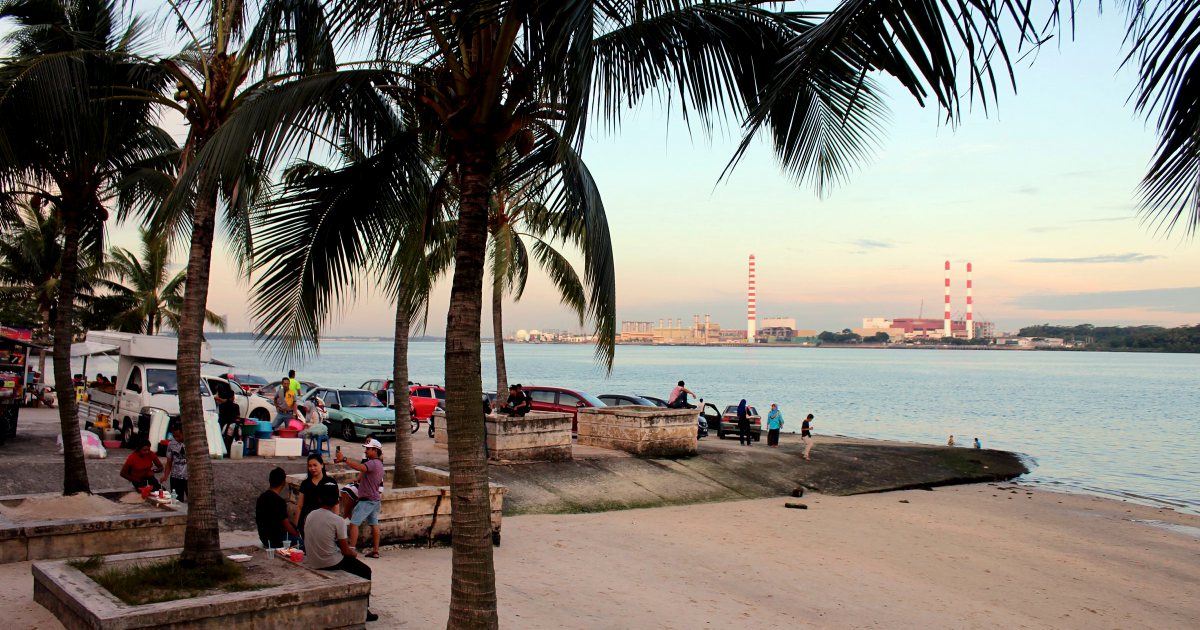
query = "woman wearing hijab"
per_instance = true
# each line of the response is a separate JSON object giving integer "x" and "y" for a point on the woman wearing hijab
{"x": 744, "y": 436}
{"x": 774, "y": 424}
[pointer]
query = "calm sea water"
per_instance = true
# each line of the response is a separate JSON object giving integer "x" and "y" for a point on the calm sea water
{"x": 1120, "y": 424}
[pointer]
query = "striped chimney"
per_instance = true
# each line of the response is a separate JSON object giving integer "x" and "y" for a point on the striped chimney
{"x": 970, "y": 306}
{"x": 946, "y": 332}
{"x": 751, "y": 310}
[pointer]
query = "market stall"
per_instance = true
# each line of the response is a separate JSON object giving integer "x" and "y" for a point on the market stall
{"x": 14, "y": 357}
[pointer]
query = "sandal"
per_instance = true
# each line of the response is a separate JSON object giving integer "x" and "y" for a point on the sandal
{"x": 373, "y": 554}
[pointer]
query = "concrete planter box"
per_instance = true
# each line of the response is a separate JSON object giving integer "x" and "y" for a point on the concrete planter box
{"x": 301, "y": 598}
{"x": 144, "y": 527}
{"x": 537, "y": 437}
{"x": 644, "y": 431}
{"x": 410, "y": 515}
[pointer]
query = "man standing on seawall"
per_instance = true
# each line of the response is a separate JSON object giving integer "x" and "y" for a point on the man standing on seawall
{"x": 370, "y": 477}
{"x": 325, "y": 547}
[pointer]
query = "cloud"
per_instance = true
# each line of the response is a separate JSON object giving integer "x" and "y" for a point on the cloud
{"x": 1028, "y": 190}
{"x": 1131, "y": 257}
{"x": 866, "y": 243}
{"x": 1105, "y": 219}
{"x": 1174, "y": 300}
{"x": 1046, "y": 228}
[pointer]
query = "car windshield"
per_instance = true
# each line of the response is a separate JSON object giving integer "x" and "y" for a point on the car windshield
{"x": 592, "y": 400}
{"x": 161, "y": 381}
{"x": 359, "y": 398}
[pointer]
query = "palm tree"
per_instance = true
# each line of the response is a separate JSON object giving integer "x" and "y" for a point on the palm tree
{"x": 67, "y": 143}
{"x": 153, "y": 296}
{"x": 515, "y": 220}
{"x": 254, "y": 71}
{"x": 1162, "y": 37}
{"x": 519, "y": 73}
{"x": 379, "y": 212}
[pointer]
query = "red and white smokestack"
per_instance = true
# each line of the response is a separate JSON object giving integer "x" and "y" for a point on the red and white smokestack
{"x": 946, "y": 332}
{"x": 751, "y": 310}
{"x": 970, "y": 306}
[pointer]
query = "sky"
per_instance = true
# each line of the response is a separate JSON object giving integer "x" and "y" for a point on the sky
{"x": 1039, "y": 193}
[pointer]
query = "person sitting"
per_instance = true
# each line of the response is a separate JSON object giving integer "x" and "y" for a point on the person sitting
{"x": 678, "y": 397}
{"x": 314, "y": 421}
{"x": 327, "y": 547}
{"x": 271, "y": 513}
{"x": 518, "y": 402}
{"x": 142, "y": 465}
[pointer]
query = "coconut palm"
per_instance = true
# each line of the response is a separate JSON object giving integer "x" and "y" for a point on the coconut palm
{"x": 507, "y": 71}
{"x": 514, "y": 221}
{"x": 149, "y": 295}
{"x": 489, "y": 77}
{"x": 376, "y": 213}
{"x": 265, "y": 65}
{"x": 67, "y": 143}
{"x": 1162, "y": 37}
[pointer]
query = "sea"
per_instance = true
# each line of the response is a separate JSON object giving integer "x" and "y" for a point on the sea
{"x": 1125, "y": 425}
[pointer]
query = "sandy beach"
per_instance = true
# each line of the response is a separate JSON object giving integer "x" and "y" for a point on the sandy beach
{"x": 980, "y": 556}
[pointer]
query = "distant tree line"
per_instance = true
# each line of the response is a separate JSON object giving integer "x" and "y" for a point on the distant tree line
{"x": 1136, "y": 338}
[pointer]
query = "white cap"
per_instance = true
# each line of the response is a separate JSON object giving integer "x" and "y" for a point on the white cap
{"x": 372, "y": 443}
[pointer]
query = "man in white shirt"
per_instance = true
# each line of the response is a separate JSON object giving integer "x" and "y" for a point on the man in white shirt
{"x": 325, "y": 544}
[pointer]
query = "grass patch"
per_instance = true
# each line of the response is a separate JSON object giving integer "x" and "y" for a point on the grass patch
{"x": 165, "y": 581}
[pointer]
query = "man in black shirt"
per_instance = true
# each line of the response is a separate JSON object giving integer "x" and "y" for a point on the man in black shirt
{"x": 271, "y": 514}
{"x": 228, "y": 416}
{"x": 517, "y": 403}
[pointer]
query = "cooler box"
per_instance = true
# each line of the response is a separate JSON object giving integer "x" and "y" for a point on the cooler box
{"x": 288, "y": 447}
{"x": 266, "y": 448}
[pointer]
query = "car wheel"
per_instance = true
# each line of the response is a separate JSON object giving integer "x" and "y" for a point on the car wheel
{"x": 348, "y": 433}
{"x": 127, "y": 433}
{"x": 416, "y": 424}
{"x": 261, "y": 415}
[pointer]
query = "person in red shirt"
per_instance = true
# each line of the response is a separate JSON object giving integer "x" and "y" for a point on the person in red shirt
{"x": 142, "y": 465}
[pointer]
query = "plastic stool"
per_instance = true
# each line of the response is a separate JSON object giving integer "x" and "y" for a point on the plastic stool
{"x": 318, "y": 444}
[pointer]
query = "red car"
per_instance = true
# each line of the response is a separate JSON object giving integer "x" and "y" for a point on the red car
{"x": 250, "y": 382}
{"x": 562, "y": 400}
{"x": 425, "y": 398}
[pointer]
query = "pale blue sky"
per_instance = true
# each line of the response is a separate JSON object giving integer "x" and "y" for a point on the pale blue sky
{"x": 1039, "y": 195}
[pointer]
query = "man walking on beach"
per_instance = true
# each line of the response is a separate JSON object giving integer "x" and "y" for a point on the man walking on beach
{"x": 326, "y": 548}
{"x": 370, "y": 477}
{"x": 806, "y": 434}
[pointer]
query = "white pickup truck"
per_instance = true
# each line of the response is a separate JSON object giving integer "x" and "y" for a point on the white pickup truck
{"x": 144, "y": 396}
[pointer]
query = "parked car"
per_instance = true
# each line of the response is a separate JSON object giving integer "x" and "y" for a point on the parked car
{"x": 355, "y": 414}
{"x": 729, "y": 422}
{"x": 703, "y": 420}
{"x": 248, "y": 406}
{"x": 248, "y": 382}
{"x": 424, "y": 398}
{"x": 622, "y": 400}
{"x": 561, "y": 400}
{"x": 658, "y": 402}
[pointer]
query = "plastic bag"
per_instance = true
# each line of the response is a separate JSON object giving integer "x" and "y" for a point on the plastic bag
{"x": 92, "y": 447}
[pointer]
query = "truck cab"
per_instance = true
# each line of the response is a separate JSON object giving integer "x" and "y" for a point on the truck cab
{"x": 145, "y": 394}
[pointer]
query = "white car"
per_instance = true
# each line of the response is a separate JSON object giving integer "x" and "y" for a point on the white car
{"x": 249, "y": 405}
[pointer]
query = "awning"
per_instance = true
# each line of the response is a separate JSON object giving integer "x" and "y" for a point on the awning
{"x": 91, "y": 348}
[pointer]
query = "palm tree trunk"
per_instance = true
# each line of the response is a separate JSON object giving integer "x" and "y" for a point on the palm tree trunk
{"x": 202, "y": 539}
{"x": 404, "y": 475}
{"x": 75, "y": 475}
{"x": 498, "y": 342}
{"x": 473, "y": 576}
